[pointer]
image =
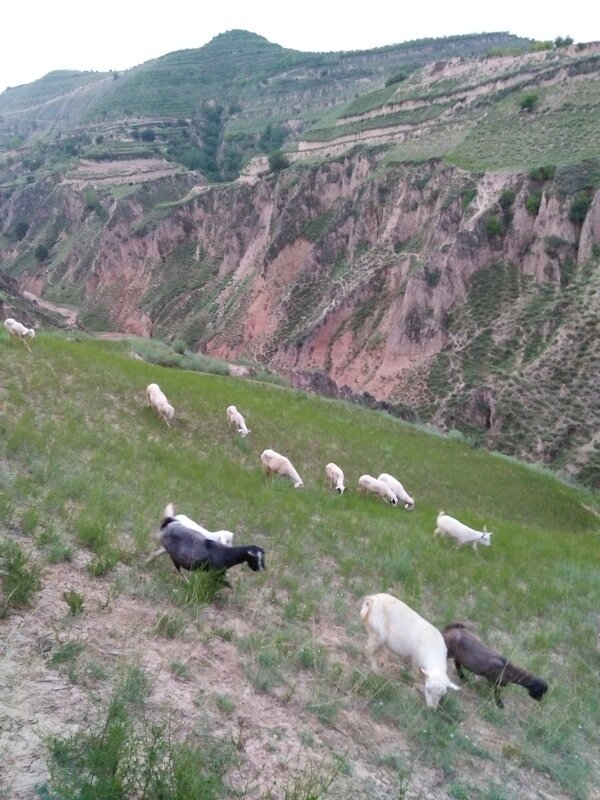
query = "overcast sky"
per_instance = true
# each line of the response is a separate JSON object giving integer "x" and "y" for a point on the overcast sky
{"x": 44, "y": 35}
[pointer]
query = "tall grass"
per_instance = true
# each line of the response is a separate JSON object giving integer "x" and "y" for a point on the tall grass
{"x": 97, "y": 466}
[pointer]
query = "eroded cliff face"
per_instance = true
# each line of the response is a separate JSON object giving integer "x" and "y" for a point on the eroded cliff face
{"x": 357, "y": 268}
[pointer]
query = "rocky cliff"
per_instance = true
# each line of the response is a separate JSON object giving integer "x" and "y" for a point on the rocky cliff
{"x": 469, "y": 300}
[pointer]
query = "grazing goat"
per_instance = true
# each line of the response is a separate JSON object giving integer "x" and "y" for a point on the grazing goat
{"x": 158, "y": 401}
{"x": 399, "y": 490}
{"x": 336, "y": 477}
{"x": 462, "y": 534}
{"x": 225, "y": 537}
{"x": 280, "y": 465}
{"x": 189, "y": 550}
{"x": 469, "y": 651}
{"x": 392, "y": 623}
{"x": 235, "y": 418}
{"x": 367, "y": 483}
{"x": 17, "y": 329}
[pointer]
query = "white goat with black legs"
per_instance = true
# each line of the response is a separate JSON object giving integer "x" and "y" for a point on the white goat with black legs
{"x": 336, "y": 477}
{"x": 16, "y": 330}
{"x": 234, "y": 418}
{"x": 157, "y": 400}
{"x": 274, "y": 463}
{"x": 399, "y": 490}
{"x": 393, "y": 624}
{"x": 462, "y": 534}
{"x": 367, "y": 483}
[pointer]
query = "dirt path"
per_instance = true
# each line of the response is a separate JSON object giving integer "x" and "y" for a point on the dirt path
{"x": 69, "y": 314}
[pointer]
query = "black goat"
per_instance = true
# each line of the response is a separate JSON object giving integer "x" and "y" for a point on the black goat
{"x": 469, "y": 651}
{"x": 190, "y": 550}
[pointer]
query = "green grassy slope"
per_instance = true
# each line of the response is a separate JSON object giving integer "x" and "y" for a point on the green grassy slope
{"x": 83, "y": 463}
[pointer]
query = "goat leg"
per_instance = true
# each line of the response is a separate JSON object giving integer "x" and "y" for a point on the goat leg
{"x": 459, "y": 670}
{"x": 496, "y": 692}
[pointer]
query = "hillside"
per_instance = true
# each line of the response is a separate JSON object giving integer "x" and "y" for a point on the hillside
{"x": 432, "y": 247}
{"x": 264, "y": 689}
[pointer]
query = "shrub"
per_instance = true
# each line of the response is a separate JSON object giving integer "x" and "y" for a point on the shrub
{"x": 20, "y": 579}
{"x": 493, "y": 226}
{"x": 21, "y": 229}
{"x": 179, "y": 346}
{"x": 545, "y": 173}
{"x": 528, "y": 101}
{"x": 506, "y": 200}
{"x": 397, "y": 78}
{"x": 147, "y": 135}
{"x": 75, "y": 601}
{"x": 278, "y": 161}
{"x": 579, "y": 207}
{"x": 41, "y": 252}
{"x": 533, "y": 202}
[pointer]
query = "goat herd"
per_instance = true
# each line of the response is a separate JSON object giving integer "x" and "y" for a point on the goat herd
{"x": 389, "y": 621}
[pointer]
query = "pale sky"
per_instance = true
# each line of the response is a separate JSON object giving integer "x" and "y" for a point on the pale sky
{"x": 43, "y": 35}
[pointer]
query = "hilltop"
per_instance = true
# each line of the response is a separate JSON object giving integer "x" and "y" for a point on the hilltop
{"x": 264, "y": 690}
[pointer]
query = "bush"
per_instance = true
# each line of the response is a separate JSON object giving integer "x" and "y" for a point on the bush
{"x": 533, "y": 202}
{"x": 528, "y": 101}
{"x": 179, "y": 346}
{"x": 41, "y": 252}
{"x": 579, "y": 207}
{"x": 506, "y": 200}
{"x": 20, "y": 579}
{"x": 21, "y": 229}
{"x": 397, "y": 78}
{"x": 493, "y": 226}
{"x": 147, "y": 135}
{"x": 545, "y": 173}
{"x": 278, "y": 161}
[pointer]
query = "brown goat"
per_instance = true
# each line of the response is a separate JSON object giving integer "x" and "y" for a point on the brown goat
{"x": 469, "y": 651}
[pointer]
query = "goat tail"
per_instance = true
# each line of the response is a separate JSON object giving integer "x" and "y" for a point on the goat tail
{"x": 366, "y": 609}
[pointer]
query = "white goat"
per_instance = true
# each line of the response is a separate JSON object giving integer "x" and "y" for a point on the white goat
{"x": 275, "y": 463}
{"x": 235, "y": 418}
{"x": 158, "y": 401}
{"x": 399, "y": 490}
{"x": 17, "y": 329}
{"x": 462, "y": 534}
{"x": 392, "y": 623}
{"x": 367, "y": 483}
{"x": 336, "y": 477}
{"x": 225, "y": 537}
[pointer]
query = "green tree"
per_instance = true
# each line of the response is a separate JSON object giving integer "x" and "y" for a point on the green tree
{"x": 278, "y": 161}
{"x": 563, "y": 41}
{"x": 21, "y": 229}
{"x": 41, "y": 252}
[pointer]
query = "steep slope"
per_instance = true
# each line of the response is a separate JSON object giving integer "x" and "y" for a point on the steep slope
{"x": 268, "y": 683}
{"x": 446, "y": 274}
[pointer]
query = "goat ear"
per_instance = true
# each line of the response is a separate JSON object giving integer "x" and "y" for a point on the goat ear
{"x": 424, "y": 672}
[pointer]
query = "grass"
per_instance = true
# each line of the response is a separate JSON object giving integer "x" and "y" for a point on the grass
{"x": 86, "y": 457}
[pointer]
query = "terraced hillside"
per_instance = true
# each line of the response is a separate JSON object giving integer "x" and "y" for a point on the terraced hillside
{"x": 213, "y": 107}
{"x": 432, "y": 246}
{"x": 122, "y": 679}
